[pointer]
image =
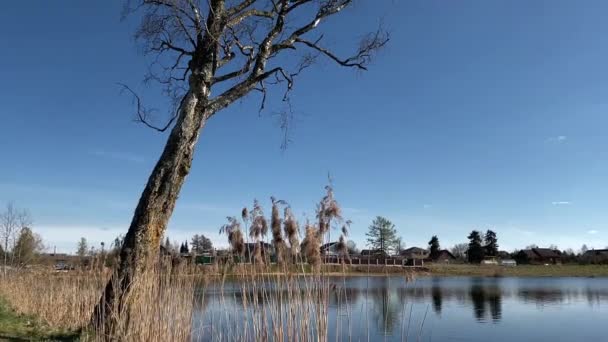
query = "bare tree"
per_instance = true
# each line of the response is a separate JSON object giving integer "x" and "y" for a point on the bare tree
{"x": 459, "y": 250}
{"x": 207, "y": 55}
{"x": 12, "y": 220}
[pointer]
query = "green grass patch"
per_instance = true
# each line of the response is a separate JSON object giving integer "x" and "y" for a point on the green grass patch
{"x": 14, "y": 327}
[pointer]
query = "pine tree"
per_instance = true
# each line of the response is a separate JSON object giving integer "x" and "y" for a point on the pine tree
{"x": 83, "y": 248}
{"x": 491, "y": 243}
{"x": 434, "y": 247}
{"x": 475, "y": 253}
{"x": 382, "y": 235}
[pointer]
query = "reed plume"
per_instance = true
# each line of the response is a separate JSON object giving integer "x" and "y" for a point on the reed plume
{"x": 235, "y": 235}
{"x": 259, "y": 225}
{"x": 277, "y": 236}
{"x": 290, "y": 226}
{"x": 311, "y": 246}
{"x": 328, "y": 210}
{"x": 245, "y": 214}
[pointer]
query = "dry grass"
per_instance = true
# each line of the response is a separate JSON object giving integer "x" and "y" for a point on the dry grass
{"x": 283, "y": 301}
{"x": 161, "y": 312}
{"x": 276, "y": 307}
{"x": 60, "y": 300}
{"x": 280, "y": 303}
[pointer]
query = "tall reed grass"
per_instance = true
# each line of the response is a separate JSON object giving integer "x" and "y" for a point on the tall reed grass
{"x": 258, "y": 299}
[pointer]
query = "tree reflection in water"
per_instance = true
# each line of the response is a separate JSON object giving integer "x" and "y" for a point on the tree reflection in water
{"x": 483, "y": 296}
{"x": 381, "y": 306}
{"x": 436, "y": 296}
{"x": 387, "y": 309}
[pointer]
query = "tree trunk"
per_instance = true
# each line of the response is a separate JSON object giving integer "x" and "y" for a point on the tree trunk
{"x": 140, "y": 249}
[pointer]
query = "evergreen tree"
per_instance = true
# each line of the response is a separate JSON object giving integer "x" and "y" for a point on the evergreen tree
{"x": 83, "y": 247}
{"x": 382, "y": 235}
{"x": 491, "y": 243}
{"x": 475, "y": 252}
{"x": 434, "y": 247}
{"x": 27, "y": 247}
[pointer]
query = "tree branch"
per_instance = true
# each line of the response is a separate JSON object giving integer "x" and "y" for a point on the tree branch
{"x": 239, "y": 8}
{"x": 143, "y": 113}
{"x": 249, "y": 13}
{"x": 363, "y": 55}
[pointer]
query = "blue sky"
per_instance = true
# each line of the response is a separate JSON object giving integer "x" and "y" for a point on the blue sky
{"x": 479, "y": 114}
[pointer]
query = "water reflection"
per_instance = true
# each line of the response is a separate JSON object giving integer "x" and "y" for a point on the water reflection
{"x": 383, "y": 305}
{"x": 485, "y": 297}
{"x": 436, "y": 296}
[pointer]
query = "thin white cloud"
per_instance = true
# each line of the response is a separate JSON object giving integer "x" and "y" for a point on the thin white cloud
{"x": 561, "y": 203}
{"x": 592, "y": 232}
{"x": 120, "y": 156}
{"x": 558, "y": 139}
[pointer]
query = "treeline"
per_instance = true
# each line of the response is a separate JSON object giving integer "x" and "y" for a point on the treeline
{"x": 199, "y": 244}
{"x": 19, "y": 246}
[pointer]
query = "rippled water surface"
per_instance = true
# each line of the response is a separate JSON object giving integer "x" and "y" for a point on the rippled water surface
{"x": 442, "y": 309}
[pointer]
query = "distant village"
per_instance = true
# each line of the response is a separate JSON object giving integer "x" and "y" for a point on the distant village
{"x": 383, "y": 246}
{"x": 205, "y": 254}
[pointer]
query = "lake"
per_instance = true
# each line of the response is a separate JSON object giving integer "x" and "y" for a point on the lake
{"x": 437, "y": 309}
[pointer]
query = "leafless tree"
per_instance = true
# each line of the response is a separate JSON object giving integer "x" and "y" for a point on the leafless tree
{"x": 207, "y": 55}
{"x": 12, "y": 220}
{"x": 459, "y": 250}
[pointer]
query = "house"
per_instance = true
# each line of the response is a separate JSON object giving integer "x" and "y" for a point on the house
{"x": 508, "y": 262}
{"x": 415, "y": 253}
{"x": 489, "y": 261}
{"x": 445, "y": 257}
{"x": 330, "y": 248}
{"x": 596, "y": 256}
{"x": 504, "y": 255}
{"x": 374, "y": 252}
{"x": 539, "y": 256}
{"x": 414, "y": 256}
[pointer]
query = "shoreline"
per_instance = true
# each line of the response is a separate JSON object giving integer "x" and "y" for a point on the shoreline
{"x": 452, "y": 270}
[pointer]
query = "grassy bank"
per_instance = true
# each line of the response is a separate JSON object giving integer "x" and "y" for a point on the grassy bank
{"x": 14, "y": 327}
{"x": 520, "y": 271}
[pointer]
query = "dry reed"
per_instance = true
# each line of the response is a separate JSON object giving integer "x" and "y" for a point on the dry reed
{"x": 280, "y": 302}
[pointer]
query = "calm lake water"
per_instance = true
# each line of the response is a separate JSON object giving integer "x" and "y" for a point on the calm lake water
{"x": 445, "y": 309}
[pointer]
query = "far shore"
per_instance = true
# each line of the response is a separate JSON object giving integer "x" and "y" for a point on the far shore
{"x": 451, "y": 270}
{"x": 568, "y": 270}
